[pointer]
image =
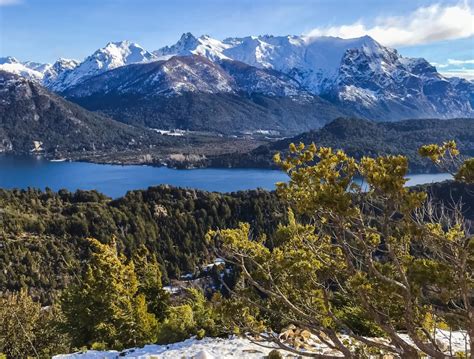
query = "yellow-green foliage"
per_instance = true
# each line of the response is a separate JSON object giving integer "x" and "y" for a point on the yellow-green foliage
{"x": 196, "y": 316}
{"x": 447, "y": 157}
{"x": 27, "y": 330}
{"x": 106, "y": 307}
{"x": 466, "y": 171}
{"x": 149, "y": 275}
{"x": 178, "y": 325}
{"x": 363, "y": 260}
{"x": 437, "y": 152}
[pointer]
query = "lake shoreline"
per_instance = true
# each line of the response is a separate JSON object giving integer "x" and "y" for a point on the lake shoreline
{"x": 114, "y": 180}
{"x": 178, "y": 161}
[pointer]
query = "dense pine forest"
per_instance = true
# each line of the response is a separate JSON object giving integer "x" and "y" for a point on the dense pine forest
{"x": 44, "y": 233}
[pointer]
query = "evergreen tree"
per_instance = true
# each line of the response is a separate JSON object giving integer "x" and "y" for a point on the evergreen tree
{"x": 106, "y": 307}
{"x": 27, "y": 329}
{"x": 149, "y": 282}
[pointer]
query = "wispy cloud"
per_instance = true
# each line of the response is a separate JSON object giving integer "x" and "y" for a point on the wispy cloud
{"x": 424, "y": 25}
{"x": 457, "y": 68}
{"x": 460, "y": 62}
{"x": 439, "y": 66}
{"x": 464, "y": 73}
{"x": 10, "y": 2}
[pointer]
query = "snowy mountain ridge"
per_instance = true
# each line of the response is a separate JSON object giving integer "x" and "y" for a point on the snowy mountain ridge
{"x": 359, "y": 74}
{"x": 313, "y": 61}
{"x": 182, "y": 74}
{"x": 29, "y": 70}
{"x": 113, "y": 55}
{"x": 67, "y": 72}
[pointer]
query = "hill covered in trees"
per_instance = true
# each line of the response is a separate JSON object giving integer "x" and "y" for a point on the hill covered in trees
{"x": 33, "y": 119}
{"x": 43, "y": 234}
{"x": 360, "y": 137}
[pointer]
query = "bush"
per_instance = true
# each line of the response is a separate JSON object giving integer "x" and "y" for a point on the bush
{"x": 196, "y": 317}
{"x": 27, "y": 330}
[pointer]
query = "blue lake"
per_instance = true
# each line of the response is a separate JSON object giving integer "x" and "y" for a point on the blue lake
{"x": 115, "y": 181}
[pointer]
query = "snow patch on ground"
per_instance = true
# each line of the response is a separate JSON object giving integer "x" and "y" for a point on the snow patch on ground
{"x": 207, "y": 348}
{"x": 218, "y": 348}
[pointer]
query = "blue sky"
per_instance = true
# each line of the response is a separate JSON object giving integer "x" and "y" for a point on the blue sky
{"x": 43, "y": 30}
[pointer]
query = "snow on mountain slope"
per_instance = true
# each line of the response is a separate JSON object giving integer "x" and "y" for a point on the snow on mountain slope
{"x": 372, "y": 80}
{"x": 56, "y": 74}
{"x": 174, "y": 76}
{"x": 31, "y": 72}
{"x": 189, "y": 45}
{"x": 311, "y": 61}
{"x": 195, "y": 93}
{"x": 113, "y": 55}
{"x": 183, "y": 74}
{"x": 359, "y": 74}
{"x": 37, "y": 66}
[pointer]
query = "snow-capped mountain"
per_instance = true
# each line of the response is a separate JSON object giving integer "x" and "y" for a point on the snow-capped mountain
{"x": 312, "y": 61}
{"x": 113, "y": 55}
{"x": 57, "y": 73}
{"x": 65, "y": 73}
{"x": 371, "y": 80}
{"x": 29, "y": 70}
{"x": 358, "y": 74}
{"x": 193, "y": 92}
{"x": 189, "y": 45}
{"x": 183, "y": 74}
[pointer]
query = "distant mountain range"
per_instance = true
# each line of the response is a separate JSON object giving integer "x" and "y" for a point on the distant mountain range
{"x": 287, "y": 84}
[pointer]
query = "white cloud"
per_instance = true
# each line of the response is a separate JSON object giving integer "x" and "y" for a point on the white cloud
{"x": 424, "y": 25}
{"x": 9, "y": 2}
{"x": 460, "y": 62}
{"x": 438, "y": 65}
{"x": 464, "y": 73}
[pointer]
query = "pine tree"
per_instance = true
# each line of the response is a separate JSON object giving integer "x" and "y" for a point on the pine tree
{"x": 106, "y": 306}
{"x": 150, "y": 285}
{"x": 19, "y": 315}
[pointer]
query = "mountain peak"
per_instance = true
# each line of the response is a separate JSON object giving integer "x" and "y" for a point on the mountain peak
{"x": 188, "y": 45}
{"x": 186, "y": 36}
{"x": 8, "y": 60}
{"x": 29, "y": 70}
{"x": 123, "y": 44}
{"x": 114, "y": 54}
